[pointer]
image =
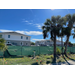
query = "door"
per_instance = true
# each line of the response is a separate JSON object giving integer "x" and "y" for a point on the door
{"x": 21, "y": 43}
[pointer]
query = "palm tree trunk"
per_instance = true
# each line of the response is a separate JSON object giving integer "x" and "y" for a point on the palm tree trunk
{"x": 54, "y": 48}
{"x": 65, "y": 52}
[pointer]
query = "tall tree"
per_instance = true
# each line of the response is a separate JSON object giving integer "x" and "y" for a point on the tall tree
{"x": 53, "y": 26}
{"x": 70, "y": 19}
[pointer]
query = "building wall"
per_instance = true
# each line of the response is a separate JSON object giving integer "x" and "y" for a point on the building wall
{"x": 48, "y": 42}
{"x": 19, "y": 43}
{"x": 15, "y": 37}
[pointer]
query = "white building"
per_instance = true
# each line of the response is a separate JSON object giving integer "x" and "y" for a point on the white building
{"x": 14, "y": 38}
{"x": 48, "y": 42}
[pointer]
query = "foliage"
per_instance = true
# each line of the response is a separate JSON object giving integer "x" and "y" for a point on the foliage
{"x": 74, "y": 44}
{"x": 68, "y": 43}
{"x": 32, "y": 43}
{"x": 70, "y": 20}
{"x": 2, "y": 44}
{"x": 58, "y": 51}
{"x": 53, "y": 27}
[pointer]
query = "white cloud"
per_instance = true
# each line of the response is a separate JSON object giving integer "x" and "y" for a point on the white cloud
{"x": 72, "y": 28}
{"x": 59, "y": 39}
{"x": 25, "y": 21}
{"x": 37, "y": 39}
{"x": 24, "y": 32}
{"x": 52, "y": 9}
{"x": 33, "y": 32}
{"x": 38, "y": 25}
{"x": 3, "y": 30}
{"x": 30, "y": 23}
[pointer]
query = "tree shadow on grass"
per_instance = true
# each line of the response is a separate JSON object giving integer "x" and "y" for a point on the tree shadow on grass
{"x": 36, "y": 63}
{"x": 67, "y": 61}
{"x": 47, "y": 62}
{"x": 12, "y": 57}
{"x": 70, "y": 58}
{"x": 60, "y": 63}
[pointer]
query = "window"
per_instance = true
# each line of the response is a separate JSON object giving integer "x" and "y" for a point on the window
{"x": 0, "y": 36}
{"x": 21, "y": 37}
{"x": 26, "y": 38}
{"x": 8, "y": 36}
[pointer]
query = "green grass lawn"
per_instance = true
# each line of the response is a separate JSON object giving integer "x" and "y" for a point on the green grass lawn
{"x": 38, "y": 60}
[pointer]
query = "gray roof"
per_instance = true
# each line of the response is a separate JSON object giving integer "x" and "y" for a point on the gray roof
{"x": 13, "y": 33}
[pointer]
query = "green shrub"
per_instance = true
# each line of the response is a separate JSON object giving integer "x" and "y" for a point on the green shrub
{"x": 51, "y": 56}
{"x": 63, "y": 48}
{"x": 68, "y": 52}
{"x": 58, "y": 52}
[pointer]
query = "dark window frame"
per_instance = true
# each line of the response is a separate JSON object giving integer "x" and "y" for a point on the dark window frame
{"x": 26, "y": 38}
{"x": 21, "y": 37}
{"x": 8, "y": 36}
{"x": 0, "y": 36}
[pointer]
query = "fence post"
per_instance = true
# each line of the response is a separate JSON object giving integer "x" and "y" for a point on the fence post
{"x": 70, "y": 50}
{"x": 21, "y": 50}
{"x": 39, "y": 50}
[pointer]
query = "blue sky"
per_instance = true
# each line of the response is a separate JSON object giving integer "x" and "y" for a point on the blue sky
{"x": 29, "y": 21}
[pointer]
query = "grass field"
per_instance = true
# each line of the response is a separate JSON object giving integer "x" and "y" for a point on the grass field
{"x": 38, "y": 60}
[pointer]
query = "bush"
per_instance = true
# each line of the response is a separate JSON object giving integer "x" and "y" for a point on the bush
{"x": 63, "y": 48}
{"x": 68, "y": 52}
{"x": 51, "y": 56}
{"x": 58, "y": 52}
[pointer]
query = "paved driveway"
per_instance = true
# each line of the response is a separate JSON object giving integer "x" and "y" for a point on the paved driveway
{"x": 70, "y": 62}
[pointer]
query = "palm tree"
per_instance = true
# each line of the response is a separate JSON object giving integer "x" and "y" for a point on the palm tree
{"x": 70, "y": 19}
{"x": 53, "y": 27}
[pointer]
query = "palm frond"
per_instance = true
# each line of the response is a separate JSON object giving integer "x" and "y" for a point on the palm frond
{"x": 48, "y": 22}
{"x": 44, "y": 33}
{"x": 73, "y": 36}
{"x": 68, "y": 17}
{"x": 43, "y": 27}
{"x": 58, "y": 18}
{"x": 53, "y": 19}
{"x": 73, "y": 18}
